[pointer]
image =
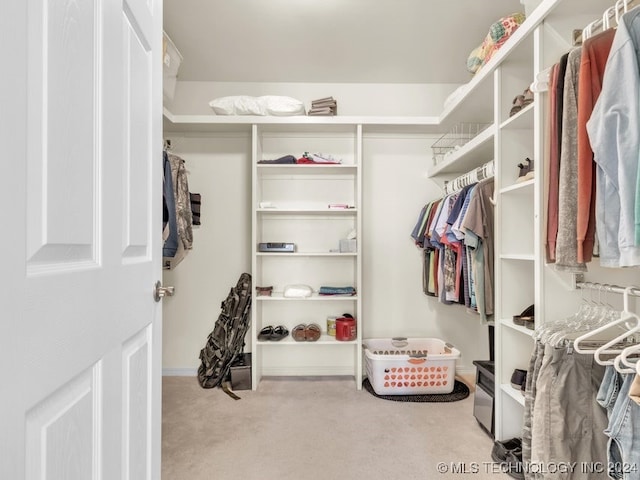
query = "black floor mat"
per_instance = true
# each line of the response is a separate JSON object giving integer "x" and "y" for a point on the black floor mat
{"x": 460, "y": 392}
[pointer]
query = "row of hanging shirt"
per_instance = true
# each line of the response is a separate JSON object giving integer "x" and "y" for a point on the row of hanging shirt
{"x": 181, "y": 210}
{"x": 594, "y": 130}
{"x": 455, "y": 234}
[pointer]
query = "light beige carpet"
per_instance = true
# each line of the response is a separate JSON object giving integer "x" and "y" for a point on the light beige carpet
{"x": 317, "y": 428}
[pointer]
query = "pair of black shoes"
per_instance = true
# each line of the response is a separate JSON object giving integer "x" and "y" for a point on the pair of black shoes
{"x": 509, "y": 455}
{"x": 273, "y": 333}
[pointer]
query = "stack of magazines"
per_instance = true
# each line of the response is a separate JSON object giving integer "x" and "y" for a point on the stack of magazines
{"x": 324, "y": 106}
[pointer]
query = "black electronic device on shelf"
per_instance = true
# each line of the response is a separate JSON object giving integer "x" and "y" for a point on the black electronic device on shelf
{"x": 277, "y": 247}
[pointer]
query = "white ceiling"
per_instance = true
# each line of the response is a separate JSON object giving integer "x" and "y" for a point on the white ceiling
{"x": 334, "y": 41}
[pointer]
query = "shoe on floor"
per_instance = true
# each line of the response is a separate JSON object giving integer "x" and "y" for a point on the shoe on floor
{"x": 514, "y": 461}
{"x": 501, "y": 449}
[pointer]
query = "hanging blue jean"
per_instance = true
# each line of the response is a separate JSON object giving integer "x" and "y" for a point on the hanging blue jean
{"x": 624, "y": 435}
{"x": 169, "y": 210}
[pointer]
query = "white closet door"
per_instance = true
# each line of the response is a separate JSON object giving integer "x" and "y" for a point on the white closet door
{"x": 80, "y": 336}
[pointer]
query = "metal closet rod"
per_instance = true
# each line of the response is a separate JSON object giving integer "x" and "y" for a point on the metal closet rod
{"x": 604, "y": 287}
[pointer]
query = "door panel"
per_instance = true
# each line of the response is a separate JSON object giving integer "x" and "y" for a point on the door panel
{"x": 138, "y": 374}
{"x": 62, "y": 132}
{"x": 61, "y": 439}
{"x": 138, "y": 139}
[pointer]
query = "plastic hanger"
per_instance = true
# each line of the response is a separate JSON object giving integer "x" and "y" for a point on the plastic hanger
{"x": 620, "y": 3}
{"x": 586, "y": 32}
{"x": 608, "y": 14}
{"x": 585, "y": 342}
{"x": 627, "y": 319}
{"x": 623, "y": 364}
{"x": 555, "y": 333}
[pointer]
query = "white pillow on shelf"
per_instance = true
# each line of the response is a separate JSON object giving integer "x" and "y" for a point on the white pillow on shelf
{"x": 279, "y": 105}
{"x": 237, "y": 105}
{"x": 265, "y": 105}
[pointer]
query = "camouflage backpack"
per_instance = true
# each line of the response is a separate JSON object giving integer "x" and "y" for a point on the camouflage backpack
{"x": 226, "y": 342}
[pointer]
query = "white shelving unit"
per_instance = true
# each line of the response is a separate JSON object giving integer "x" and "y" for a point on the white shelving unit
{"x": 299, "y": 196}
{"x": 521, "y": 277}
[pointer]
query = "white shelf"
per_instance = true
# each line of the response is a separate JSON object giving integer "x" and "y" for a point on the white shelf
{"x": 472, "y": 154}
{"x": 508, "y": 322}
{"x": 305, "y": 168}
{"x": 307, "y": 254}
{"x": 525, "y": 257}
{"x": 523, "y": 187}
{"x": 308, "y": 211}
{"x": 323, "y": 340}
{"x": 301, "y": 123}
{"x": 513, "y": 393}
{"x": 278, "y": 297}
{"x": 523, "y": 120}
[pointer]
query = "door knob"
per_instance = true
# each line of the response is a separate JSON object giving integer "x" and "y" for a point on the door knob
{"x": 161, "y": 291}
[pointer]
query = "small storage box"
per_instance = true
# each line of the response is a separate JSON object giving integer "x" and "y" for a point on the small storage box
{"x": 171, "y": 60}
{"x": 240, "y": 373}
{"x": 406, "y": 366}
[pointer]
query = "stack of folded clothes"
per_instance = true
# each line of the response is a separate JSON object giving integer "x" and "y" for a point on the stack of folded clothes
{"x": 337, "y": 291}
{"x": 324, "y": 106}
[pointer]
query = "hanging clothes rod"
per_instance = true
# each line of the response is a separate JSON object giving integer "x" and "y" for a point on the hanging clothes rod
{"x": 485, "y": 171}
{"x": 603, "y": 287}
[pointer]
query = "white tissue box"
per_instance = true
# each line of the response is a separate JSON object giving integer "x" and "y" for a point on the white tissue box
{"x": 348, "y": 245}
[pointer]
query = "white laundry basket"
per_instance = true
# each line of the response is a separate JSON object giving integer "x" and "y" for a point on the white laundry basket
{"x": 405, "y": 366}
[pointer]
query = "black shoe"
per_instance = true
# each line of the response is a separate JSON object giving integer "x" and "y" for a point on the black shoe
{"x": 514, "y": 461}
{"x": 500, "y": 449}
{"x": 273, "y": 333}
{"x": 279, "y": 333}
{"x": 525, "y": 317}
{"x": 265, "y": 333}
{"x": 518, "y": 378}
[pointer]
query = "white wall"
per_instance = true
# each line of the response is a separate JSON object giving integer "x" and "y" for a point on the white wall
{"x": 395, "y": 188}
{"x": 353, "y": 98}
{"x": 219, "y": 169}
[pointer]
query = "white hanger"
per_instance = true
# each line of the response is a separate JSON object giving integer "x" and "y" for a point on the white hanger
{"x": 586, "y": 32}
{"x": 620, "y": 3}
{"x": 626, "y": 317}
{"x": 622, "y": 363}
{"x": 606, "y": 18}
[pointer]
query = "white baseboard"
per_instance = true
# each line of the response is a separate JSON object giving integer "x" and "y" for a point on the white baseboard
{"x": 291, "y": 371}
{"x": 466, "y": 371}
